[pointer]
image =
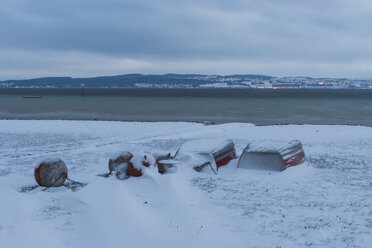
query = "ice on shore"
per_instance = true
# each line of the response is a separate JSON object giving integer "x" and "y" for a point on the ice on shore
{"x": 325, "y": 202}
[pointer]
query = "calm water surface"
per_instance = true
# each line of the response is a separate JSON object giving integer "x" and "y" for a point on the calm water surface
{"x": 262, "y": 107}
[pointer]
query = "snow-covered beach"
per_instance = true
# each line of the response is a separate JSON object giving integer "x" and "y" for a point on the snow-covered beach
{"x": 324, "y": 202}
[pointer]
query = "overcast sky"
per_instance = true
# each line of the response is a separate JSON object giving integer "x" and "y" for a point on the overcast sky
{"x": 80, "y": 38}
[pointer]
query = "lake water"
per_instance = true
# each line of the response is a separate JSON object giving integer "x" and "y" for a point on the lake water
{"x": 262, "y": 107}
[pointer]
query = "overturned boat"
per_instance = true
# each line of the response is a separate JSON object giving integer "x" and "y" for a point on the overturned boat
{"x": 200, "y": 154}
{"x": 205, "y": 152}
{"x": 276, "y": 156}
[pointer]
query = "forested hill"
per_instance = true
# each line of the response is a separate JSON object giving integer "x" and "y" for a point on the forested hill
{"x": 130, "y": 81}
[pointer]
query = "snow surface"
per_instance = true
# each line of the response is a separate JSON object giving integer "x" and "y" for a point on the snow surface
{"x": 325, "y": 202}
{"x": 276, "y": 146}
{"x": 209, "y": 145}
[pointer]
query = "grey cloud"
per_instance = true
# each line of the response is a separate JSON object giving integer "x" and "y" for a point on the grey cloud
{"x": 267, "y": 31}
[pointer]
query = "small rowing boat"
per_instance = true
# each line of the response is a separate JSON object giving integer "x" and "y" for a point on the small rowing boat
{"x": 272, "y": 155}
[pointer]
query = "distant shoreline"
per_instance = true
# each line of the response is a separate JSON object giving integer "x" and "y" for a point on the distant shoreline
{"x": 191, "y": 81}
{"x": 191, "y": 92}
{"x": 207, "y": 123}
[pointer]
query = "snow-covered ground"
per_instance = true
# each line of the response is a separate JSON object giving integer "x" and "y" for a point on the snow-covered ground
{"x": 325, "y": 202}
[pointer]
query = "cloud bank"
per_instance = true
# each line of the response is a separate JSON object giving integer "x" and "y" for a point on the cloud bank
{"x": 89, "y": 38}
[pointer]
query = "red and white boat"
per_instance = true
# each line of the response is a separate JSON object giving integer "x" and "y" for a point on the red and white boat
{"x": 272, "y": 156}
{"x": 218, "y": 152}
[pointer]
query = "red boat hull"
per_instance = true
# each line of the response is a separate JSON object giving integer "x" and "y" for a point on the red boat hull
{"x": 295, "y": 160}
{"x": 225, "y": 160}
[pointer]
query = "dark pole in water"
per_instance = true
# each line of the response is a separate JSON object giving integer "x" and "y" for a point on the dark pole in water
{"x": 82, "y": 90}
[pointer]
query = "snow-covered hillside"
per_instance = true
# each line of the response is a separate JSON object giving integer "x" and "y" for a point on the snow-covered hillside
{"x": 325, "y": 202}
